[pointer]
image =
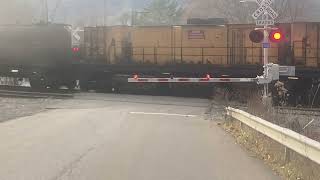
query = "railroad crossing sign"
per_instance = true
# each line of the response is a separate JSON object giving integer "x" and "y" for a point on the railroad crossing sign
{"x": 265, "y": 8}
{"x": 265, "y": 22}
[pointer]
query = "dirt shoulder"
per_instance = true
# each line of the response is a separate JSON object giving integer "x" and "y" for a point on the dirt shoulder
{"x": 12, "y": 108}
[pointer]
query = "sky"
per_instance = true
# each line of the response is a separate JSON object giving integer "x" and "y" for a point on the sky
{"x": 313, "y": 12}
{"x": 87, "y": 10}
{"x": 91, "y": 12}
{"x": 67, "y": 11}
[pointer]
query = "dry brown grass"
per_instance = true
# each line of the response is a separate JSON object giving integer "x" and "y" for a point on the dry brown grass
{"x": 285, "y": 162}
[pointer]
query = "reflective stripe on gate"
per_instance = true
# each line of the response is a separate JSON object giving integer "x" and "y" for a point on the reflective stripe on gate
{"x": 189, "y": 80}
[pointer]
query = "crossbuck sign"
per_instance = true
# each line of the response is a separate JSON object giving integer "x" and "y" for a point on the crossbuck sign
{"x": 265, "y": 10}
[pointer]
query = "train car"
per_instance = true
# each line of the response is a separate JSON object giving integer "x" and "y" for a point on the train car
{"x": 203, "y": 44}
{"x": 218, "y": 50}
{"x": 305, "y": 44}
{"x": 300, "y": 46}
{"x": 44, "y": 53}
{"x": 41, "y": 53}
{"x": 106, "y": 45}
{"x": 179, "y": 45}
{"x": 160, "y": 45}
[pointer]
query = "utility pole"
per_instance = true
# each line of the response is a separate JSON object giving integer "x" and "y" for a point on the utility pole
{"x": 265, "y": 62}
{"x": 54, "y": 11}
{"x": 132, "y": 17}
{"x": 44, "y": 13}
{"x": 104, "y": 12}
{"x": 266, "y": 55}
{"x": 265, "y": 11}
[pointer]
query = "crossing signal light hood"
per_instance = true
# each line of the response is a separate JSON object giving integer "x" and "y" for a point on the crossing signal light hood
{"x": 256, "y": 36}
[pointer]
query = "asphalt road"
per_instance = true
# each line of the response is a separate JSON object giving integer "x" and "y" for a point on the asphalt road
{"x": 118, "y": 137}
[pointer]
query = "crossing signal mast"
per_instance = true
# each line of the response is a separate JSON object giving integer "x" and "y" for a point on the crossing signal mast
{"x": 262, "y": 16}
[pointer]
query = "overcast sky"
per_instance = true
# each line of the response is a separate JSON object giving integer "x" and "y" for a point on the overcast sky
{"x": 86, "y": 10}
{"x": 313, "y": 11}
{"x": 90, "y": 12}
{"x": 68, "y": 11}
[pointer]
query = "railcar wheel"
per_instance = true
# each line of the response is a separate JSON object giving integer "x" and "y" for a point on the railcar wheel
{"x": 71, "y": 85}
{"x": 54, "y": 86}
{"x": 84, "y": 85}
{"x": 37, "y": 84}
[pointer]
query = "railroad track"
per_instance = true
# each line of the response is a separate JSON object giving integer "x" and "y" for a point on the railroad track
{"x": 34, "y": 94}
{"x": 298, "y": 111}
{"x": 287, "y": 110}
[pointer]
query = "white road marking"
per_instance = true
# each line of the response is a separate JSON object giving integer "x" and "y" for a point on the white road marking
{"x": 164, "y": 114}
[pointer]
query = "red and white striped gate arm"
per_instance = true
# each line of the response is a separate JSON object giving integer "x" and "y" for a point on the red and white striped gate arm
{"x": 190, "y": 80}
{"x": 272, "y": 74}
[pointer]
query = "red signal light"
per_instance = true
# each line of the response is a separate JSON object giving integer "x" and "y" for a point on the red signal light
{"x": 75, "y": 49}
{"x": 276, "y": 36}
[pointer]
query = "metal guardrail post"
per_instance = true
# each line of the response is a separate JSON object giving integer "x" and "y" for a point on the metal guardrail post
{"x": 155, "y": 55}
{"x": 202, "y": 55}
{"x": 143, "y": 55}
{"x": 181, "y": 54}
{"x": 174, "y": 55}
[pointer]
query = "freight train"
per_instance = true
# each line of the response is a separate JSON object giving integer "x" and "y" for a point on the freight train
{"x": 223, "y": 50}
{"x": 41, "y": 53}
{"x": 225, "y": 45}
{"x": 109, "y": 55}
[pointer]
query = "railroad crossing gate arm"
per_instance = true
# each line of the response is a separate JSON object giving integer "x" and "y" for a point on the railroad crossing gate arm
{"x": 190, "y": 80}
{"x": 272, "y": 74}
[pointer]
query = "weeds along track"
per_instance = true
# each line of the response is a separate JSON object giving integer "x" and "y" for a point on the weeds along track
{"x": 298, "y": 111}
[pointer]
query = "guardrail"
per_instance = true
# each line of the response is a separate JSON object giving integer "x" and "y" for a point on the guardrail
{"x": 297, "y": 142}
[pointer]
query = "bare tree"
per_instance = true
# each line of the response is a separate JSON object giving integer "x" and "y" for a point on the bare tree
{"x": 125, "y": 18}
{"x": 160, "y": 12}
{"x": 237, "y": 12}
{"x": 293, "y": 9}
{"x": 234, "y": 10}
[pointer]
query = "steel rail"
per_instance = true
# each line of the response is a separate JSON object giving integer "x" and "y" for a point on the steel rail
{"x": 33, "y": 94}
